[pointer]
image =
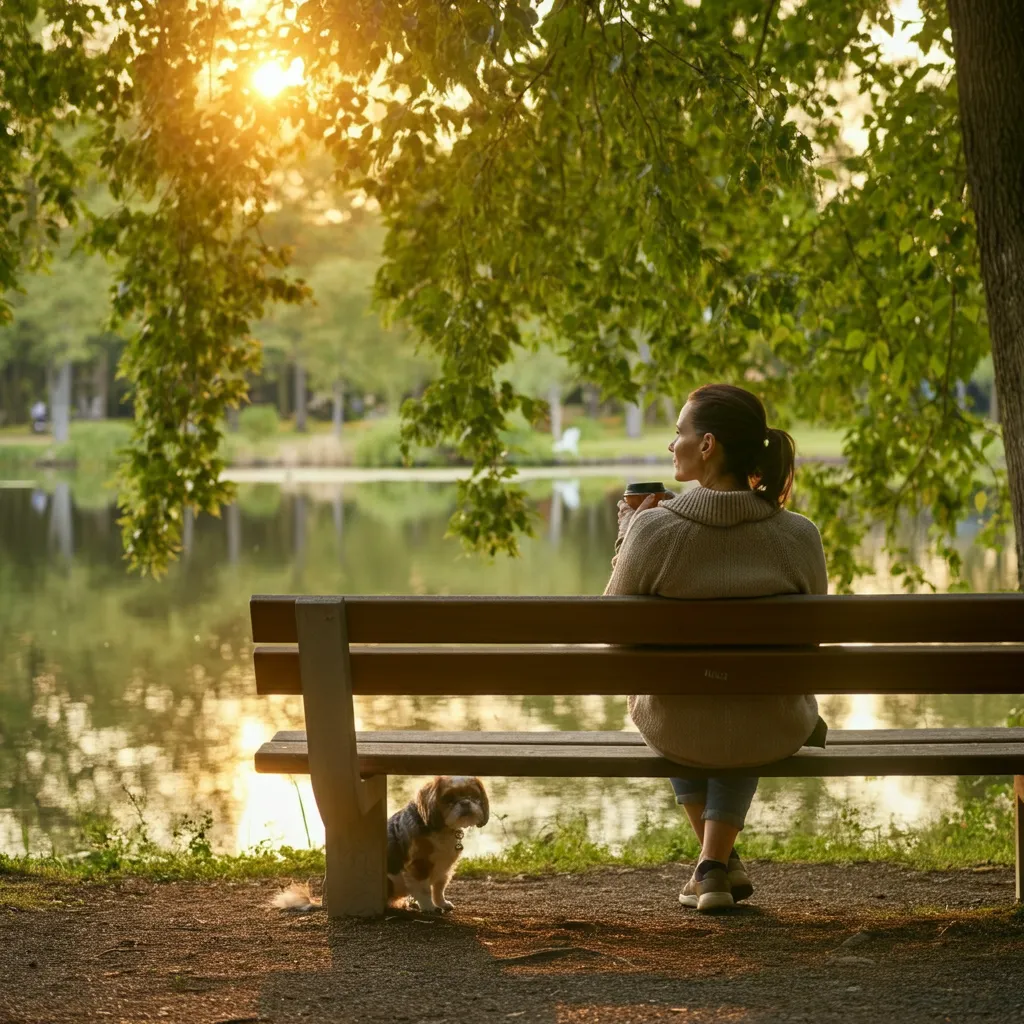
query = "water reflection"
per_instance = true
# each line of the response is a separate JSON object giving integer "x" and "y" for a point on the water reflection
{"x": 110, "y": 683}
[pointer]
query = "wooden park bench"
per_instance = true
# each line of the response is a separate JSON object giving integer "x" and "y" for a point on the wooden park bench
{"x": 329, "y": 648}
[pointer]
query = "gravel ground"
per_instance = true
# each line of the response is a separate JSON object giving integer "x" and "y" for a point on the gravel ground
{"x": 821, "y": 944}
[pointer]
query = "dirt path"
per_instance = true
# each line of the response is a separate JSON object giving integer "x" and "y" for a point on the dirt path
{"x": 817, "y": 944}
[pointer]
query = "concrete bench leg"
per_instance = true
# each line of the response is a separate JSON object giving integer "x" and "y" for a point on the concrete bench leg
{"x": 1018, "y": 804}
{"x": 354, "y": 811}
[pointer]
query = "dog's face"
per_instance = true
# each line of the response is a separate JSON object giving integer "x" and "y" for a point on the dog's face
{"x": 454, "y": 801}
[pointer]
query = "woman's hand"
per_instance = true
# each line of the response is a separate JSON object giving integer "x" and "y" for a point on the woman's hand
{"x": 626, "y": 511}
{"x": 625, "y": 514}
{"x": 653, "y": 500}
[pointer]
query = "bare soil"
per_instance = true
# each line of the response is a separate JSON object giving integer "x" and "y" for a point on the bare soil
{"x": 825, "y": 944}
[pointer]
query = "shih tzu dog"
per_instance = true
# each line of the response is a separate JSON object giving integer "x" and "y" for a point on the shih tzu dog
{"x": 425, "y": 839}
{"x": 424, "y": 842}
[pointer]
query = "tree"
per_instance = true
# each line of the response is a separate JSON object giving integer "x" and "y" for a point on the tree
{"x": 611, "y": 170}
{"x": 988, "y": 37}
{"x": 539, "y": 371}
{"x": 65, "y": 310}
{"x": 341, "y": 340}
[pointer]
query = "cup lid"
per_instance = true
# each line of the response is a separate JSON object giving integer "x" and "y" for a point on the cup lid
{"x": 650, "y": 487}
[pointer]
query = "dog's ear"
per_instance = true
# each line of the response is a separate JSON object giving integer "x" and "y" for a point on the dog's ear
{"x": 485, "y": 804}
{"x": 426, "y": 800}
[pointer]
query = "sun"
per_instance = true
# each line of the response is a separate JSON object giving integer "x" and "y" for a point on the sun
{"x": 271, "y": 79}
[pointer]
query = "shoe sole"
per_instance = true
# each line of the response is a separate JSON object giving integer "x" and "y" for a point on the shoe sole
{"x": 715, "y": 901}
{"x": 739, "y": 892}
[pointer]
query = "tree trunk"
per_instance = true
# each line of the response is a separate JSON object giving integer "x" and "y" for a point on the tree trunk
{"x": 100, "y": 387}
{"x": 231, "y": 417}
{"x": 338, "y": 407}
{"x": 988, "y": 41}
{"x": 555, "y": 402}
{"x": 233, "y": 521}
{"x": 283, "y": 407}
{"x": 593, "y": 400}
{"x": 634, "y": 420}
{"x": 188, "y": 529}
{"x": 60, "y": 401}
{"x": 300, "y": 397}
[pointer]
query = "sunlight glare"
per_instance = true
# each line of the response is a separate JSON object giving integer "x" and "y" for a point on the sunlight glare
{"x": 271, "y": 79}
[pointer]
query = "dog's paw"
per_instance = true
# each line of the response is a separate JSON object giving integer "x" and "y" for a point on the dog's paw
{"x": 446, "y": 907}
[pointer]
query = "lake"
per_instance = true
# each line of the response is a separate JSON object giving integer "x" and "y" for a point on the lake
{"x": 122, "y": 696}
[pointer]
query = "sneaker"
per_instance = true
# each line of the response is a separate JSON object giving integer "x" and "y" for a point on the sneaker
{"x": 739, "y": 880}
{"x": 712, "y": 892}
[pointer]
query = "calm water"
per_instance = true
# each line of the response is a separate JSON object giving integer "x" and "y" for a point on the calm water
{"x": 110, "y": 685}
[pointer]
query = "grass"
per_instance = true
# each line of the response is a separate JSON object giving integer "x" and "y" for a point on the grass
{"x": 94, "y": 446}
{"x": 980, "y": 833}
{"x": 113, "y": 854}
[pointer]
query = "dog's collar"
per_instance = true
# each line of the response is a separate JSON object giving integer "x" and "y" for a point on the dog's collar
{"x": 459, "y": 833}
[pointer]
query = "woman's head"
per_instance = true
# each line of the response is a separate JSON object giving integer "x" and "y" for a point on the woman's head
{"x": 723, "y": 438}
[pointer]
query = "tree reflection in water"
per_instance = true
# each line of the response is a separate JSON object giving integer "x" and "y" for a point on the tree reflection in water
{"x": 108, "y": 682}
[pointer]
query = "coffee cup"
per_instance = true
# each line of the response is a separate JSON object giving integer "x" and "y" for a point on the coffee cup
{"x": 637, "y": 494}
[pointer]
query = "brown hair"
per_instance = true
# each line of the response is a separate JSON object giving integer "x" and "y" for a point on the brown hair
{"x": 763, "y": 456}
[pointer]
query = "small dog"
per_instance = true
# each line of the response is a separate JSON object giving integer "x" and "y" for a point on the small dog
{"x": 425, "y": 839}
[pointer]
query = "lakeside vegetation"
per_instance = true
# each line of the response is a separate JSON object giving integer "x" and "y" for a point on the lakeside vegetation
{"x": 94, "y": 446}
{"x": 978, "y": 834}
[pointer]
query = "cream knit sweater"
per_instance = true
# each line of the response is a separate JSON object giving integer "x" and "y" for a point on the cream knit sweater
{"x": 706, "y": 544}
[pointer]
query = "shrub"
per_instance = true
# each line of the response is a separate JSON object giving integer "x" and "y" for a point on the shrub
{"x": 379, "y": 445}
{"x": 258, "y": 423}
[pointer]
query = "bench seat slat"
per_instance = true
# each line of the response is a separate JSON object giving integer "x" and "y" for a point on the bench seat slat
{"x": 625, "y": 761}
{"x": 448, "y": 671}
{"x": 610, "y": 738}
{"x": 794, "y": 619}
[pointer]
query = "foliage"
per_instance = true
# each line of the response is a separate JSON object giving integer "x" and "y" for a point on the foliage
{"x": 380, "y": 444}
{"x": 340, "y": 338}
{"x": 64, "y": 310}
{"x": 612, "y": 173}
{"x": 980, "y": 834}
{"x": 93, "y": 447}
{"x": 259, "y": 423}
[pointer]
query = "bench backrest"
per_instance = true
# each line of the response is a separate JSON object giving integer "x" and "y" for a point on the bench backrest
{"x": 947, "y": 643}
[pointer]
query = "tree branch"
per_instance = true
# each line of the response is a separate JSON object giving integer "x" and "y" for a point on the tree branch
{"x": 768, "y": 14}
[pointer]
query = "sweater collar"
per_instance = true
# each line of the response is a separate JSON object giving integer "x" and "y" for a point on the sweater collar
{"x": 720, "y": 508}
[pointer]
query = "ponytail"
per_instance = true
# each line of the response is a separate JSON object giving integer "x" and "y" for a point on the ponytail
{"x": 763, "y": 457}
{"x": 775, "y": 473}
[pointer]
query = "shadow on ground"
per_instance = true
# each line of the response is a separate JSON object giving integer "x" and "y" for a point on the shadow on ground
{"x": 822, "y": 944}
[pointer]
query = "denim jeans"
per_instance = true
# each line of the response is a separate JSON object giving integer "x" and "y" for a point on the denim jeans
{"x": 725, "y": 797}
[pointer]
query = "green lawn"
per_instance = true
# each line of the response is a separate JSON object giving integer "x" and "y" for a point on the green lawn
{"x": 372, "y": 442}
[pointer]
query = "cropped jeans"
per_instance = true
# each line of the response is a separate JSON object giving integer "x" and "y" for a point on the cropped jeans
{"x": 725, "y": 797}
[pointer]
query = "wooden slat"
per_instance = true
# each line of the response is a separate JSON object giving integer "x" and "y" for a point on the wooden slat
{"x": 629, "y": 761}
{"x": 792, "y": 620}
{"x": 609, "y": 738}
{"x": 616, "y": 670}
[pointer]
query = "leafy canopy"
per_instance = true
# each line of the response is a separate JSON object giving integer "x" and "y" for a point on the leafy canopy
{"x": 613, "y": 174}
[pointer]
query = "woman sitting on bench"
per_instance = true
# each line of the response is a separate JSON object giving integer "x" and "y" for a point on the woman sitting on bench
{"x": 730, "y": 536}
